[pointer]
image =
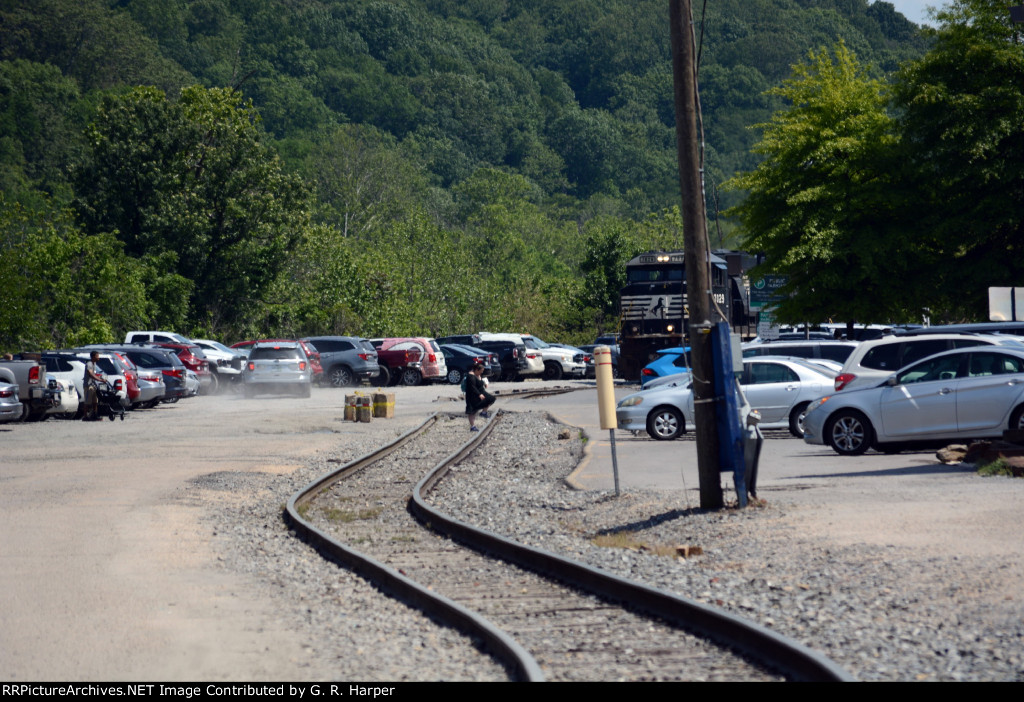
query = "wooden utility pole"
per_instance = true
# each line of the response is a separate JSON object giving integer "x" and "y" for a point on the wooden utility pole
{"x": 695, "y": 245}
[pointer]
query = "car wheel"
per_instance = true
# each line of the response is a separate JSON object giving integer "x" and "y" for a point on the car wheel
{"x": 552, "y": 371}
{"x": 213, "y": 385}
{"x": 411, "y": 376}
{"x": 341, "y": 377}
{"x": 383, "y": 377}
{"x": 796, "y": 420}
{"x": 455, "y": 376}
{"x": 1017, "y": 419}
{"x": 665, "y": 423}
{"x": 849, "y": 433}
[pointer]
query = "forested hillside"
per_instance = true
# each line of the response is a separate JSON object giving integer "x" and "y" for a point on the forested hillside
{"x": 236, "y": 167}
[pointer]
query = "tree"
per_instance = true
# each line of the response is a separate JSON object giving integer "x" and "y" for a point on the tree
{"x": 824, "y": 204}
{"x": 192, "y": 184}
{"x": 963, "y": 121}
{"x": 63, "y": 287}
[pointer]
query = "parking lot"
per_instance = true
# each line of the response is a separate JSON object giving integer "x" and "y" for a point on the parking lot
{"x": 110, "y": 572}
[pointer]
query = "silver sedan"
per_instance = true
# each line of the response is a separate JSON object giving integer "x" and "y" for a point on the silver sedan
{"x": 779, "y": 388}
{"x": 970, "y": 393}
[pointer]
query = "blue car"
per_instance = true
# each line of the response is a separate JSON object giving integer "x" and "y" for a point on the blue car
{"x": 669, "y": 362}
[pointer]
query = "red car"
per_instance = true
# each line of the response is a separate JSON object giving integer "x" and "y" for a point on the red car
{"x": 193, "y": 358}
{"x": 311, "y": 353}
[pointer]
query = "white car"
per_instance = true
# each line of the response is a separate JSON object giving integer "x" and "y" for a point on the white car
{"x": 970, "y": 393}
{"x": 873, "y": 361}
{"x": 69, "y": 398}
{"x": 778, "y": 388}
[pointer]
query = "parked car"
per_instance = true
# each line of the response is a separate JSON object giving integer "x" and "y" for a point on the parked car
{"x": 459, "y": 359}
{"x": 828, "y": 348}
{"x": 873, "y": 361}
{"x": 226, "y": 363}
{"x": 278, "y": 366}
{"x": 346, "y": 360}
{"x": 558, "y": 362}
{"x": 147, "y": 357}
{"x": 534, "y": 360}
{"x": 669, "y": 362}
{"x": 511, "y": 357}
{"x": 580, "y": 356}
{"x": 423, "y": 360}
{"x": 67, "y": 397}
{"x": 30, "y": 377}
{"x": 10, "y": 404}
{"x": 150, "y": 360}
{"x": 592, "y": 370}
{"x": 967, "y": 393}
{"x": 780, "y": 389}
{"x": 194, "y": 359}
{"x": 155, "y": 337}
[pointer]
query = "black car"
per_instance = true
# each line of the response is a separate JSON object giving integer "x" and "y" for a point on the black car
{"x": 459, "y": 359}
{"x": 512, "y": 357}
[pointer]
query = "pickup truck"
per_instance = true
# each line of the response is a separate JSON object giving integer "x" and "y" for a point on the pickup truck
{"x": 30, "y": 377}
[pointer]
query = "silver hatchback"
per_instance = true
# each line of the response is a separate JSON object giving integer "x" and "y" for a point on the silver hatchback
{"x": 970, "y": 393}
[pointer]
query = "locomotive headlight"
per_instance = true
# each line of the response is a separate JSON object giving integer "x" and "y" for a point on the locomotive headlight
{"x": 670, "y": 327}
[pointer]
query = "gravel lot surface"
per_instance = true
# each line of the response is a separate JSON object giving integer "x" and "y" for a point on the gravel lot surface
{"x": 913, "y": 611}
{"x": 154, "y": 548}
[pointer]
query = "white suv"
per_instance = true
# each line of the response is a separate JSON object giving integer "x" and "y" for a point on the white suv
{"x": 558, "y": 362}
{"x": 874, "y": 361}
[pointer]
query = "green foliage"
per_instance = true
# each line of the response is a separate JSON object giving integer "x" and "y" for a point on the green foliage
{"x": 823, "y": 205}
{"x": 193, "y": 178}
{"x": 474, "y": 164}
{"x": 962, "y": 108}
{"x": 62, "y": 287}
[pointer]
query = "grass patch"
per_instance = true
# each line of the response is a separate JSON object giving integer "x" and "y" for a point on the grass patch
{"x": 629, "y": 540}
{"x": 996, "y": 467}
{"x": 303, "y": 511}
{"x": 343, "y": 516}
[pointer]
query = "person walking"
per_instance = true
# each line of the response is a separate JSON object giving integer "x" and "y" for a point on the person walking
{"x": 93, "y": 377}
{"x": 477, "y": 397}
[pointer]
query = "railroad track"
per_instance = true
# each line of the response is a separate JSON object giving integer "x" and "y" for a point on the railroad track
{"x": 543, "y": 616}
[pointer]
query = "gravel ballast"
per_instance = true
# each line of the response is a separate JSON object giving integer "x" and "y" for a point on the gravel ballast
{"x": 884, "y": 614}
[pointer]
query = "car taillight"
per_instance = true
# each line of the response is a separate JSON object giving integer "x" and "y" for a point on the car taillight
{"x": 431, "y": 358}
{"x": 364, "y": 356}
{"x": 7, "y": 393}
{"x": 302, "y": 365}
{"x": 252, "y": 366}
{"x": 647, "y": 371}
{"x": 844, "y": 379}
{"x": 117, "y": 385}
{"x": 174, "y": 373}
{"x": 33, "y": 375}
{"x": 478, "y": 360}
